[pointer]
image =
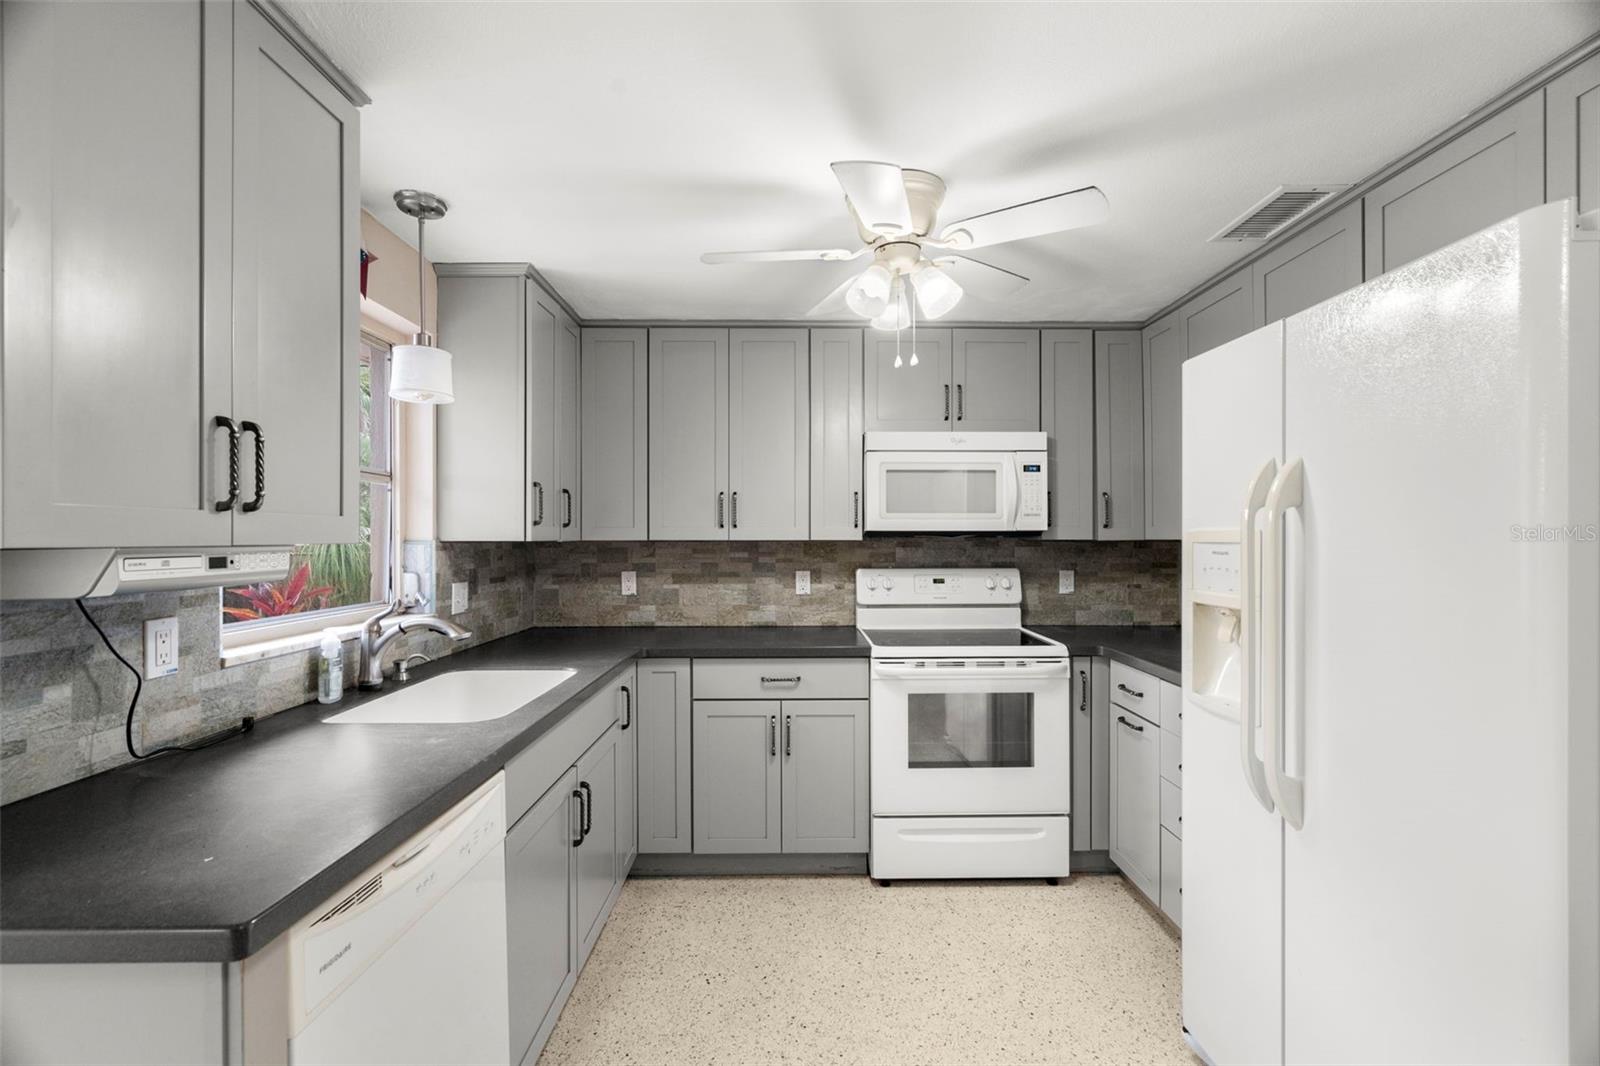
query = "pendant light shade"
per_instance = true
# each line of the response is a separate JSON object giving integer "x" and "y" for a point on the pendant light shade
{"x": 897, "y": 315}
{"x": 420, "y": 372}
{"x": 868, "y": 296}
{"x": 937, "y": 292}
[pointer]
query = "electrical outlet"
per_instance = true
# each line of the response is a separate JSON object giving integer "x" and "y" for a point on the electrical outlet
{"x": 160, "y": 647}
{"x": 630, "y": 583}
{"x": 1066, "y": 581}
{"x": 802, "y": 582}
{"x": 458, "y": 597}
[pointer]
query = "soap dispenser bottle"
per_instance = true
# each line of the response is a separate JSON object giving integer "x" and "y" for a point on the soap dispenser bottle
{"x": 330, "y": 669}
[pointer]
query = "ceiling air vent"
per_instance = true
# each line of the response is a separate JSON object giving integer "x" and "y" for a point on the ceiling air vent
{"x": 1281, "y": 207}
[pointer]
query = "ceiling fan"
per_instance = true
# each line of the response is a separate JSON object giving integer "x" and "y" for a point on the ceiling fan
{"x": 894, "y": 210}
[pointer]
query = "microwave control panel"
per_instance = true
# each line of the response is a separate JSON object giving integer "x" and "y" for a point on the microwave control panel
{"x": 1033, "y": 500}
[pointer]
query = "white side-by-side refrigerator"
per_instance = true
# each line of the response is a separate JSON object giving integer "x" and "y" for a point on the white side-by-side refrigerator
{"x": 1391, "y": 817}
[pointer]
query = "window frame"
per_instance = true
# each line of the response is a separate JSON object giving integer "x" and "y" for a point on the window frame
{"x": 262, "y": 637}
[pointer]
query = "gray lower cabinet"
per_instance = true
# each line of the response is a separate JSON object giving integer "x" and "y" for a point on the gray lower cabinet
{"x": 1119, "y": 435}
{"x": 908, "y": 397}
{"x": 1136, "y": 799}
{"x": 1490, "y": 172}
{"x": 616, "y": 443}
{"x": 541, "y": 919}
{"x": 1091, "y": 755}
{"x": 627, "y": 690}
{"x": 596, "y": 853}
{"x": 1310, "y": 267}
{"x": 688, "y": 434}
{"x": 234, "y": 290}
{"x": 738, "y": 779}
{"x": 995, "y": 374}
{"x": 1171, "y": 901}
{"x": 1066, "y": 414}
{"x": 665, "y": 723}
{"x": 837, "y": 422}
{"x": 825, "y": 802}
{"x": 769, "y": 434}
{"x": 1572, "y": 136}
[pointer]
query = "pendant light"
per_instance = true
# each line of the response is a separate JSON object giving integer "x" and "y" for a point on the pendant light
{"x": 419, "y": 372}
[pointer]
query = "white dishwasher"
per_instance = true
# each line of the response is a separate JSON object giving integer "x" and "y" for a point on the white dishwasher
{"x": 407, "y": 965}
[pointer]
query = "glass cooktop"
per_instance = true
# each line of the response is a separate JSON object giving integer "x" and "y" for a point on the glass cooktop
{"x": 956, "y": 638}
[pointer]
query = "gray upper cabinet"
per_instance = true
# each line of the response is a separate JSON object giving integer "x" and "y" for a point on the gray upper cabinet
{"x": 738, "y": 777}
{"x": 909, "y": 397}
{"x": 296, "y": 254}
{"x": 1222, "y": 313}
{"x": 616, "y": 489}
{"x": 1310, "y": 267}
{"x": 538, "y": 488}
{"x": 1066, "y": 412}
{"x": 688, "y": 434}
{"x": 1572, "y": 132}
{"x": 769, "y": 434}
{"x": 1488, "y": 173}
{"x": 230, "y": 289}
{"x": 837, "y": 422}
{"x": 567, "y": 417}
{"x": 995, "y": 373}
{"x": 825, "y": 804}
{"x": 1119, "y": 435}
{"x": 664, "y": 725}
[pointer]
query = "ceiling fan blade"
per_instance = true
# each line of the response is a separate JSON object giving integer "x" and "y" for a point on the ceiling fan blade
{"x": 832, "y": 302}
{"x": 980, "y": 279}
{"x": 877, "y": 192}
{"x": 826, "y": 255}
{"x": 1052, "y": 214}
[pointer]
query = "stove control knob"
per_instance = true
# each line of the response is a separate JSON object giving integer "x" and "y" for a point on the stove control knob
{"x": 988, "y": 583}
{"x": 1005, "y": 582}
{"x": 888, "y": 583}
{"x": 872, "y": 583}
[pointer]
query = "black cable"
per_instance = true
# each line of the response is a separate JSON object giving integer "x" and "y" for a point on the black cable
{"x": 244, "y": 726}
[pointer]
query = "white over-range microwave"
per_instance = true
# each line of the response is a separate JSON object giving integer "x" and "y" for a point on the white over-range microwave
{"x": 955, "y": 483}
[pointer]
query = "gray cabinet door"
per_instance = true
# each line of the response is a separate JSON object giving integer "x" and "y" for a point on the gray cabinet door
{"x": 1136, "y": 800}
{"x": 501, "y": 346}
{"x": 738, "y": 777}
{"x": 664, "y": 729}
{"x": 296, "y": 248}
{"x": 1572, "y": 139}
{"x": 616, "y": 441}
{"x": 688, "y": 434}
{"x": 596, "y": 857}
{"x": 837, "y": 422}
{"x": 117, "y": 313}
{"x": 909, "y": 397}
{"x": 626, "y": 691}
{"x": 539, "y": 486}
{"x": 1100, "y": 755}
{"x": 540, "y": 927}
{"x": 1119, "y": 435}
{"x": 825, "y": 805}
{"x": 569, "y": 430}
{"x": 996, "y": 377}
{"x": 1163, "y": 429}
{"x": 1222, "y": 313}
{"x": 1172, "y": 878}
{"x": 1066, "y": 402}
{"x": 1082, "y": 757}
{"x": 1488, "y": 173}
{"x": 769, "y": 434}
{"x": 1319, "y": 263}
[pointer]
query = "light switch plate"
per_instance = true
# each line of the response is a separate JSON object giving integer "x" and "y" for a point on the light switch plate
{"x": 630, "y": 583}
{"x": 160, "y": 647}
{"x": 1066, "y": 581}
{"x": 458, "y": 597}
{"x": 802, "y": 582}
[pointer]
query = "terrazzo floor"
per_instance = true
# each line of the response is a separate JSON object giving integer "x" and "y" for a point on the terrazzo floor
{"x": 740, "y": 970}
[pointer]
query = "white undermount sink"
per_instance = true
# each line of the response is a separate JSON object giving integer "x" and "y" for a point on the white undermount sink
{"x": 456, "y": 698}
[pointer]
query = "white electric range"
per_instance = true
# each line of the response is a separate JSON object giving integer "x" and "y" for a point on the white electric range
{"x": 971, "y": 749}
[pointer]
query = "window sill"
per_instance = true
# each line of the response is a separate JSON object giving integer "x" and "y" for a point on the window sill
{"x": 273, "y": 647}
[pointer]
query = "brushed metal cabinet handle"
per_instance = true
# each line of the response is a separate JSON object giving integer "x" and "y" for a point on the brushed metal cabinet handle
{"x": 627, "y": 707}
{"x": 578, "y": 811}
{"x": 261, "y": 466}
{"x": 538, "y": 504}
{"x": 1130, "y": 725}
{"x": 772, "y": 735}
{"x": 1124, "y": 688}
{"x": 947, "y": 403}
{"x": 588, "y": 808}
{"x": 855, "y": 510}
{"x": 1083, "y": 691}
{"x": 224, "y": 422}
{"x": 568, "y": 494}
{"x": 788, "y": 735}
{"x": 961, "y": 403}
{"x": 795, "y": 680}
{"x": 1105, "y": 500}
{"x": 720, "y": 497}
{"x": 733, "y": 509}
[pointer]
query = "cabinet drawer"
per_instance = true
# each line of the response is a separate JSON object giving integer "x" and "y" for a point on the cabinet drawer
{"x": 774, "y": 679}
{"x": 1171, "y": 707}
{"x": 1172, "y": 878}
{"x": 1172, "y": 809}
{"x": 1172, "y": 757}
{"x": 1136, "y": 691}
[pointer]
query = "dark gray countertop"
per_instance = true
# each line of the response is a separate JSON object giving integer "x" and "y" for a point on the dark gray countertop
{"x": 209, "y": 855}
{"x": 1157, "y": 650}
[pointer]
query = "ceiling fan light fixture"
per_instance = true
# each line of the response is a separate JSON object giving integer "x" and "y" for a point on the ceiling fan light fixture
{"x": 897, "y": 315}
{"x": 937, "y": 292}
{"x": 870, "y": 294}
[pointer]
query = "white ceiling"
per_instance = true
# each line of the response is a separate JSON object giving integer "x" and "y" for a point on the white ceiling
{"x": 611, "y": 144}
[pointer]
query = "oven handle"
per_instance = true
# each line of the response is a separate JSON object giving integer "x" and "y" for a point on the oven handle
{"x": 892, "y": 669}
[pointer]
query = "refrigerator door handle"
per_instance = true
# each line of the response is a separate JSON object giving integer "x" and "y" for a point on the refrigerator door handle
{"x": 1287, "y": 494}
{"x": 1255, "y": 773}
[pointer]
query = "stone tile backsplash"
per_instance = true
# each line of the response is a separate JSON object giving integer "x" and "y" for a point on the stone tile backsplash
{"x": 63, "y": 698}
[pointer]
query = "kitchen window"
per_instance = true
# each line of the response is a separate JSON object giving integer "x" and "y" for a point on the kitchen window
{"x": 333, "y": 584}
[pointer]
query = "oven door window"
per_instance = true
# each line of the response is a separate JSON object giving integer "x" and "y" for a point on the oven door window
{"x": 931, "y": 490}
{"x": 948, "y": 731}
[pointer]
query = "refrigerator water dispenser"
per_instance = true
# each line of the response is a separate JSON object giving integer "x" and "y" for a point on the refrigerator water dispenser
{"x": 1211, "y": 619}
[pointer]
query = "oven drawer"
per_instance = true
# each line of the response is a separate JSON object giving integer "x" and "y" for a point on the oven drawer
{"x": 971, "y": 847}
{"x": 1136, "y": 691}
{"x": 780, "y": 679}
